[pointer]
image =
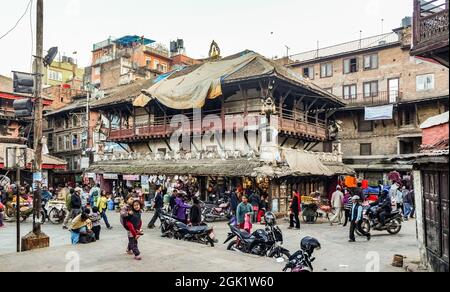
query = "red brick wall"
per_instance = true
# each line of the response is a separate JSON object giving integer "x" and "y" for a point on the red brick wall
{"x": 435, "y": 134}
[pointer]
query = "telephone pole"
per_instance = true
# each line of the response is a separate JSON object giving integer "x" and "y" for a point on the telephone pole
{"x": 37, "y": 239}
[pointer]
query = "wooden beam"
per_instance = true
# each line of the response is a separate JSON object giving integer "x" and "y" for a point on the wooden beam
{"x": 305, "y": 146}
{"x": 311, "y": 105}
{"x": 168, "y": 145}
{"x": 330, "y": 113}
{"x": 355, "y": 123}
{"x": 312, "y": 146}
{"x": 284, "y": 142}
{"x": 121, "y": 146}
{"x": 296, "y": 144}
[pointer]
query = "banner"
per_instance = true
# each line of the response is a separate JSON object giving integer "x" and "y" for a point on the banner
{"x": 110, "y": 176}
{"x": 131, "y": 177}
{"x": 379, "y": 113}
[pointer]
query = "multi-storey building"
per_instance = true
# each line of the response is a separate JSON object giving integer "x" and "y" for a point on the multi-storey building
{"x": 223, "y": 110}
{"x": 70, "y": 137}
{"x": 119, "y": 61}
{"x": 18, "y": 132}
{"x": 64, "y": 72}
{"x": 388, "y": 95}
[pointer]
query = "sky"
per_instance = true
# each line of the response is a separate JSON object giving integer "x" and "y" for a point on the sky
{"x": 264, "y": 26}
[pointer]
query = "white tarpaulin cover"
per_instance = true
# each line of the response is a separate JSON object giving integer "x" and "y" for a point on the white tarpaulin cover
{"x": 191, "y": 90}
{"x": 378, "y": 113}
{"x": 306, "y": 163}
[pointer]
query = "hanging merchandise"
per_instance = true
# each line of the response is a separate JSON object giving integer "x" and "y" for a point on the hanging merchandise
{"x": 365, "y": 184}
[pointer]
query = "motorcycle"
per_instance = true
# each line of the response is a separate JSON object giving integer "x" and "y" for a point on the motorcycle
{"x": 221, "y": 212}
{"x": 267, "y": 242}
{"x": 56, "y": 211}
{"x": 301, "y": 261}
{"x": 173, "y": 228}
{"x": 370, "y": 221}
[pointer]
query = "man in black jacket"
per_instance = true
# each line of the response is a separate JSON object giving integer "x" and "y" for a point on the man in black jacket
{"x": 158, "y": 206}
{"x": 384, "y": 208}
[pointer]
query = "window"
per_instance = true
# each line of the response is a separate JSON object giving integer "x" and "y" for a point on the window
{"x": 97, "y": 70}
{"x": 365, "y": 149}
{"x": 407, "y": 116}
{"x": 308, "y": 72}
{"x": 55, "y": 75}
{"x": 394, "y": 89}
{"x": 350, "y": 91}
{"x": 371, "y": 89}
{"x": 60, "y": 144}
{"x": 59, "y": 123}
{"x": 67, "y": 142}
{"x": 371, "y": 62}
{"x": 425, "y": 82}
{"x": 50, "y": 141}
{"x": 350, "y": 65}
{"x": 326, "y": 70}
{"x": 74, "y": 121}
{"x": 156, "y": 65}
{"x": 148, "y": 62}
{"x": 75, "y": 141}
{"x": 363, "y": 125}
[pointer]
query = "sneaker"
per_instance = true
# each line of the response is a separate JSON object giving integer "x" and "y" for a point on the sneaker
{"x": 352, "y": 240}
{"x": 138, "y": 258}
{"x": 110, "y": 227}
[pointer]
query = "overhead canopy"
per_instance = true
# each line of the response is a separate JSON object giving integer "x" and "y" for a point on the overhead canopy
{"x": 192, "y": 86}
{"x": 306, "y": 163}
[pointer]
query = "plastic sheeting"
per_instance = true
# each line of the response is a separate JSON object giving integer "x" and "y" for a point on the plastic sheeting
{"x": 192, "y": 90}
{"x": 379, "y": 113}
{"x": 306, "y": 163}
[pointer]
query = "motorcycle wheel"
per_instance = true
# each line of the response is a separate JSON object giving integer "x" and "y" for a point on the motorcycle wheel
{"x": 365, "y": 226}
{"x": 54, "y": 216}
{"x": 233, "y": 245}
{"x": 283, "y": 254}
{"x": 208, "y": 216}
{"x": 395, "y": 227}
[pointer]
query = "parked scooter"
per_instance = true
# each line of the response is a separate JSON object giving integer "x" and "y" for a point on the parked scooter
{"x": 221, "y": 212}
{"x": 301, "y": 261}
{"x": 370, "y": 221}
{"x": 262, "y": 242}
{"x": 173, "y": 228}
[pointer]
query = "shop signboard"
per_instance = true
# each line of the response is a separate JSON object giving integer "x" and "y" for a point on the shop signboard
{"x": 131, "y": 178}
{"x": 110, "y": 176}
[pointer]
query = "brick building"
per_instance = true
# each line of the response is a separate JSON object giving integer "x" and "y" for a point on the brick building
{"x": 120, "y": 61}
{"x": 388, "y": 95}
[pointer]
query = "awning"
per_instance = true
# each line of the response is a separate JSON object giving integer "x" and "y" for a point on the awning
{"x": 306, "y": 163}
{"x": 413, "y": 135}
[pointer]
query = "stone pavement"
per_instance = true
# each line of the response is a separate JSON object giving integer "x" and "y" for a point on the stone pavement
{"x": 159, "y": 254}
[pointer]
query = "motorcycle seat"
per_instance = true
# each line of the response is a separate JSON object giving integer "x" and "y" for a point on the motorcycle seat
{"x": 394, "y": 213}
{"x": 197, "y": 229}
{"x": 245, "y": 234}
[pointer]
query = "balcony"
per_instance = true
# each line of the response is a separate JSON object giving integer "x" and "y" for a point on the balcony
{"x": 292, "y": 124}
{"x": 431, "y": 31}
{"x": 374, "y": 99}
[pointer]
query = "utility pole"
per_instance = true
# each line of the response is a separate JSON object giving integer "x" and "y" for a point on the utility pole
{"x": 38, "y": 111}
{"x": 36, "y": 239}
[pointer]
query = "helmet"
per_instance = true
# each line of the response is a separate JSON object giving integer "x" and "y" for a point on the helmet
{"x": 270, "y": 218}
{"x": 309, "y": 244}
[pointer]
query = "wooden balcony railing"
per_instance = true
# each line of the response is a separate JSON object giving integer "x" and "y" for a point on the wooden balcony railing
{"x": 431, "y": 20}
{"x": 290, "y": 123}
{"x": 374, "y": 99}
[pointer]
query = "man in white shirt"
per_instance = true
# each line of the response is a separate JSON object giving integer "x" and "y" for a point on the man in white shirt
{"x": 338, "y": 205}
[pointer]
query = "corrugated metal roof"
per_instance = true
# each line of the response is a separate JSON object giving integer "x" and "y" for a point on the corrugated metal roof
{"x": 436, "y": 121}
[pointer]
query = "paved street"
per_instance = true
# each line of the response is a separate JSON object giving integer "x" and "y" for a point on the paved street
{"x": 174, "y": 256}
